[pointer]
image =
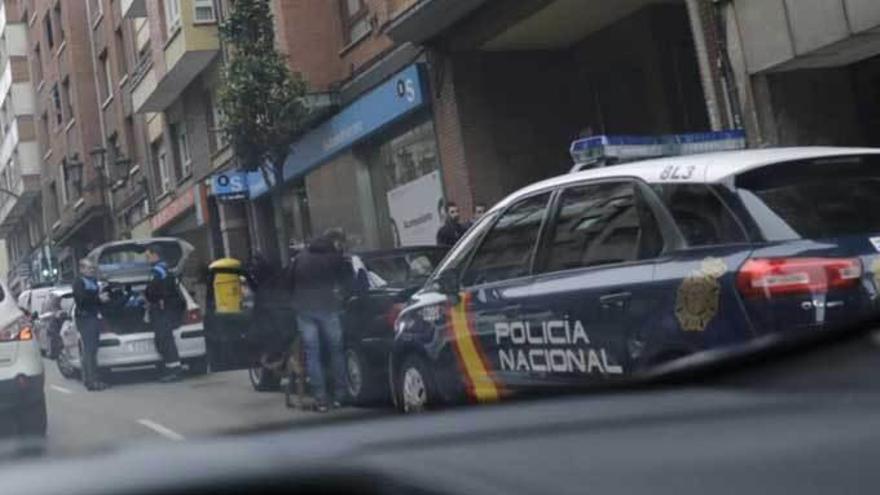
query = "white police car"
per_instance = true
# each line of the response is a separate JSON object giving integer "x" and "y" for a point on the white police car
{"x": 603, "y": 272}
{"x": 127, "y": 340}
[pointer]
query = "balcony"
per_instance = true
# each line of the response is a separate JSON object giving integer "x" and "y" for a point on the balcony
{"x": 188, "y": 52}
{"x": 132, "y": 9}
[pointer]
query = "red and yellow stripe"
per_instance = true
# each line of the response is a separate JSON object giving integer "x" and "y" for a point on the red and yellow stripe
{"x": 480, "y": 384}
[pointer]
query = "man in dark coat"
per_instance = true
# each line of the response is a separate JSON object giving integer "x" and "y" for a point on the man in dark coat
{"x": 322, "y": 280}
{"x": 452, "y": 229}
{"x": 89, "y": 301}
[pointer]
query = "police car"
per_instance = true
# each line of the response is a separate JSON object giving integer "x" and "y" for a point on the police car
{"x": 600, "y": 273}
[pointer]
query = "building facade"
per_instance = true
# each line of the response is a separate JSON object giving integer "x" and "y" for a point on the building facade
{"x": 173, "y": 89}
{"x": 21, "y": 222}
{"x": 369, "y": 158}
{"x": 123, "y": 148}
{"x": 75, "y": 189}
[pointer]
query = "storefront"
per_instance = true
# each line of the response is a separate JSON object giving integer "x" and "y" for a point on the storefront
{"x": 371, "y": 169}
{"x": 186, "y": 217}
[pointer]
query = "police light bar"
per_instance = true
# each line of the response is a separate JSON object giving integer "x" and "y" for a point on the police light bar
{"x": 599, "y": 151}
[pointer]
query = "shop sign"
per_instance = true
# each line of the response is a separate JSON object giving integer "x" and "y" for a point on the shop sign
{"x": 370, "y": 113}
{"x": 415, "y": 211}
{"x": 230, "y": 185}
{"x": 174, "y": 209}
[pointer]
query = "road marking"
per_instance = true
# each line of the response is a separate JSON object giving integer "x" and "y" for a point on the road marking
{"x": 165, "y": 432}
{"x": 61, "y": 389}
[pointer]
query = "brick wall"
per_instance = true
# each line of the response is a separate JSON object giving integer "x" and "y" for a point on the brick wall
{"x": 312, "y": 36}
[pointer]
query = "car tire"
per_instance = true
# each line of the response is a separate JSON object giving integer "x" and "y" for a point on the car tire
{"x": 415, "y": 387}
{"x": 33, "y": 420}
{"x": 263, "y": 380}
{"x": 359, "y": 379}
{"x": 65, "y": 367}
{"x": 198, "y": 366}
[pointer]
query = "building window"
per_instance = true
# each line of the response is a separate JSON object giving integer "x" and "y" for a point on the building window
{"x": 67, "y": 100}
{"x": 183, "y": 158}
{"x": 56, "y": 104}
{"x": 172, "y": 16}
{"x": 203, "y": 12}
{"x": 160, "y": 155}
{"x": 38, "y": 64}
{"x": 97, "y": 8}
{"x": 355, "y": 18}
{"x": 50, "y": 35}
{"x": 106, "y": 76}
{"x": 44, "y": 133}
{"x": 120, "y": 51}
{"x": 215, "y": 124}
{"x": 58, "y": 23}
{"x": 66, "y": 189}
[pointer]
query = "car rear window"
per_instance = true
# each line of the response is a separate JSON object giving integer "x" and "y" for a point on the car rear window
{"x": 814, "y": 199}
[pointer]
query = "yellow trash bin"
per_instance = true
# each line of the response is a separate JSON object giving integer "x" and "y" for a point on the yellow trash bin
{"x": 226, "y": 274}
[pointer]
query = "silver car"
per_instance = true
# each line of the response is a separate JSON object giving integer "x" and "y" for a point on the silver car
{"x": 126, "y": 338}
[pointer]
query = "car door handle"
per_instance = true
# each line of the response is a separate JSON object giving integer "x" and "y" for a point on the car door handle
{"x": 615, "y": 300}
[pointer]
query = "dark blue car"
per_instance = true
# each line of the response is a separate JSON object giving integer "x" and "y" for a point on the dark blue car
{"x": 603, "y": 273}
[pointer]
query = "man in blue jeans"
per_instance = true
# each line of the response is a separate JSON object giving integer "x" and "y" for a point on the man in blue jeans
{"x": 322, "y": 280}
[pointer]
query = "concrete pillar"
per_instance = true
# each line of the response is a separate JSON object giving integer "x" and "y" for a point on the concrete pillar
{"x": 447, "y": 126}
{"x": 234, "y": 229}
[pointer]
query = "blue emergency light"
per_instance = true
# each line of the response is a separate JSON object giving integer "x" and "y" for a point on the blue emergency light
{"x": 600, "y": 151}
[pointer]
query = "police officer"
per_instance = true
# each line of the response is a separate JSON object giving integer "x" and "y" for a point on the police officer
{"x": 89, "y": 299}
{"x": 165, "y": 312}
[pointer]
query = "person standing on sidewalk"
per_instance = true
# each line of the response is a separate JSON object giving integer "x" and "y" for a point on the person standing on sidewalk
{"x": 165, "y": 312}
{"x": 322, "y": 280}
{"x": 452, "y": 229}
{"x": 89, "y": 299}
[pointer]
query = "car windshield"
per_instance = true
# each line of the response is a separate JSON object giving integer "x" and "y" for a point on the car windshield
{"x": 229, "y": 216}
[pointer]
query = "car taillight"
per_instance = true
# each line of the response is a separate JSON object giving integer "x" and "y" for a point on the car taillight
{"x": 193, "y": 316}
{"x": 767, "y": 277}
{"x": 19, "y": 329}
{"x": 393, "y": 313}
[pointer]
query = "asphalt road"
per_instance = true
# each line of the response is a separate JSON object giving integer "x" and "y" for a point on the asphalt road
{"x": 139, "y": 409}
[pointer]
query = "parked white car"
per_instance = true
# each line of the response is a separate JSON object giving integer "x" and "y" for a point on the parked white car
{"x": 22, "y": 396}
{"x": 126, "y": 338}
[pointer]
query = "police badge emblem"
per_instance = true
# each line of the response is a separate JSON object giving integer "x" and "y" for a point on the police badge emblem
{"x": 698, "y": 295}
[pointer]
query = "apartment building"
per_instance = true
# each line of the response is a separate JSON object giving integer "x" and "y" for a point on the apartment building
{"x": 173, "y": 86}
{"x": 115, "y": 51}
{"x": 21, "y": 222}
{"x": 75, "y": 190}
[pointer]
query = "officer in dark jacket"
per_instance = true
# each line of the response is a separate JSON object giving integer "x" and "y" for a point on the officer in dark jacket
{"x": 452, "y": 229}
{"x": 89, "y": 300}
{"x": 322, "y": 280}
{"x": 165, "y": 312}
